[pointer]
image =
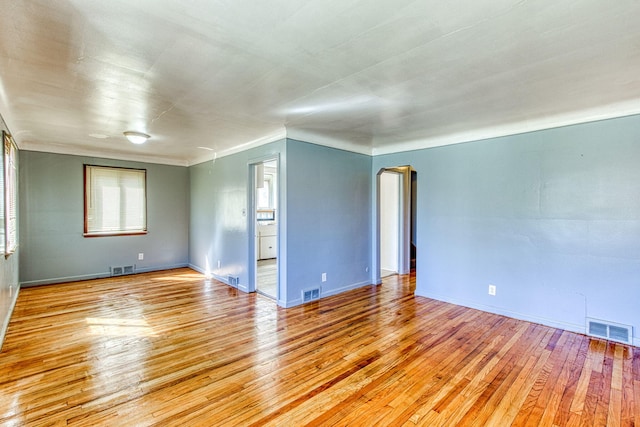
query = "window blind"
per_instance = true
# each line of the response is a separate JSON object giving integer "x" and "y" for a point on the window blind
{"x": 115, "y": 201}
{"x": 10, "y": 195}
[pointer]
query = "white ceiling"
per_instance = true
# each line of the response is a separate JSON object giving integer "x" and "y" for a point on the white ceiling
{"x": 372, "y": 76}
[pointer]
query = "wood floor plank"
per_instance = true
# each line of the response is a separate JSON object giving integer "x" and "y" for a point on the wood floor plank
{"x": 464, "y": 402}
{"x": 574, "y": 372}
{"x": 398, "y": 363}
{"x": 636, "y": 402}
{"x": 502, "y": 393}
{"x": 436, "y": 394}
{"x": 578, "y": 400}
{"x": 604, "y": 402}
{"x": 563, "y": 386}
{"x": 614, "y": 415}
{"x": 628, "y": 399}
{"x": 173, "y": 348}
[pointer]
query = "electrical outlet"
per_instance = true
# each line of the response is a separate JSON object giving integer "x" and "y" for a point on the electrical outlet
{"x": 140, "y": 256}
{"x": 492, "y": 290}
{"x": 218, "y": 263}
{"x": 324, "y": 277}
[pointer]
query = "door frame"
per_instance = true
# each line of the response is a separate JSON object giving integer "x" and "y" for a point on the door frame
{"x": 404, "y": 236}
{"x": 252, "y": 221}
{"x": 396, "y": 239}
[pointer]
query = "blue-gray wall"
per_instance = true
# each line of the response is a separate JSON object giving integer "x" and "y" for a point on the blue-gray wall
{"x": 328, "y": 192}
{"x": 52, "y": 246}
{"x": 9, "y": 286}
{"x": 324, "y": 218}
{"x": 552, "y": 218}
{"x": 219, "y": 222}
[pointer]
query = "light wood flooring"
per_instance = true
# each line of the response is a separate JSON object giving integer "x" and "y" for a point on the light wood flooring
{"x": 386, "y": 273}
{"x": 268, "y": 277}
{"x": 173, "y": 349}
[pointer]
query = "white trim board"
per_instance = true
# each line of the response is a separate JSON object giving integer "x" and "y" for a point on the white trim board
{"x": 5, "y": 323}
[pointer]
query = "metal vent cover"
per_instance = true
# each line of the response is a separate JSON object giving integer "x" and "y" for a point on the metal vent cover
{"x": 609, "y": 330}
{"x": 123, "y": 270}
{"x": 310, "y": 294}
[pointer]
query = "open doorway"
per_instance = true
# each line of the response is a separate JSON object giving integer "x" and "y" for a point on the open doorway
{"x": 390, "y": 186}
{"x": 397, "y": 211}
{"x": 265, "y": 227}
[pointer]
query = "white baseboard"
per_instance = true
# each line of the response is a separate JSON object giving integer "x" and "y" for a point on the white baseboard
{"x": 345, "y": 288}
{"x": 52, "y": 281}
{"x": 160, "y": 268}
{"x": 196, "y": 268}
{"x": 223, "y": 279}
{"x": 7, "y": 319}
{"x": 323, "y": 294}
{"x": 572, "y": 327}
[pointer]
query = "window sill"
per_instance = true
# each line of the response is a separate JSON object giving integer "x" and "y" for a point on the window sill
{"x": 115, "y": 233}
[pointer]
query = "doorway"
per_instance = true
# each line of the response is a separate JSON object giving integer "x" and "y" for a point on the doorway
{"x": 389, "y": 223}
{"x": 397, "y": 212}
{"x": 265, "y": 226}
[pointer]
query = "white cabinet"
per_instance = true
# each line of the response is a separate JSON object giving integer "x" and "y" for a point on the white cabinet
{"x": 267, "y": 241}
{"x": 268, "y": 247}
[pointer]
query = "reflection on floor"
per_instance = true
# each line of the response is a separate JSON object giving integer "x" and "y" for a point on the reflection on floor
{"x": 268, "y": 277}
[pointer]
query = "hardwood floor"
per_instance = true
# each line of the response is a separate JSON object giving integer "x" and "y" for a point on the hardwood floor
{"x": 170, "y": 348}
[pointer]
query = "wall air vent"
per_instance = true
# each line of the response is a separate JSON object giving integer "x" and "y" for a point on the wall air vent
{"x": 609, "y": 330}
{"x": 123, "y": 270}
{"x": 233, "y": 281}
{"x": 310, "y": 294}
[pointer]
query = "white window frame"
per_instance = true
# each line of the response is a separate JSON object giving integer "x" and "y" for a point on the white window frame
{"x": 94, "y": 198}
{"x": 268, "y": 186}
{"x": 10, "y": 194}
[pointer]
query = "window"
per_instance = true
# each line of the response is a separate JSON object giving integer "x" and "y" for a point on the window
{"x": 115, "y": 201}
{"x": 266, "y": 199}
{"x": 265, "y": 194}
{"x": 10, "y": 195}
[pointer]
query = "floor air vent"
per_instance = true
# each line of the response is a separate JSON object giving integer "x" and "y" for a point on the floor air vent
{"x": 609, "y": 331}
{"x": 121, "y": 271}
{"x": 310, "y": 294}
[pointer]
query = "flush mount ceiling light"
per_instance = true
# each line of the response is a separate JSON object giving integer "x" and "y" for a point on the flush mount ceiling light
{"x": 136, "y": 137}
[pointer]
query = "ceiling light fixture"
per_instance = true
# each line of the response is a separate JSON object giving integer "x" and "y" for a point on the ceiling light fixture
{"x": 136, "y": 137}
